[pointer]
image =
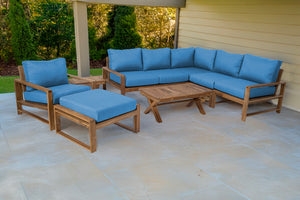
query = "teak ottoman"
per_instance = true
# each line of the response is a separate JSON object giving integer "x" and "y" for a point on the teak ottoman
{"x": 95, "y": 109}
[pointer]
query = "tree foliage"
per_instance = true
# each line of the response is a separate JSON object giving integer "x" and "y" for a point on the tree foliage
{"x": 21, "y": 37}
{"x": 125, "y": 32}
{"x": 53, "y": 27}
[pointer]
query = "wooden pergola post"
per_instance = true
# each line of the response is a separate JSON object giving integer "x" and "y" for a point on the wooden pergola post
{"x": 81, "y": 38}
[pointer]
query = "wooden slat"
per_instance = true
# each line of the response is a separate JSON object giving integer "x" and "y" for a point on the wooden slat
{"x": 41, "y": 106}
{"x": 35, "y": 116}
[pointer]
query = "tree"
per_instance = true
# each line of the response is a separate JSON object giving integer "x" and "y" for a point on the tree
{"x": 5, "y": 35}
{"x": 21, "y": 37}
{"x": 125, "y": 31}
{"x": 156, "y": 25}
{"x": 54, "y": 27}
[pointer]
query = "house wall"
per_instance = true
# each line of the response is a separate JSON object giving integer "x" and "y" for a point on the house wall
{"x": 268, "y": 28}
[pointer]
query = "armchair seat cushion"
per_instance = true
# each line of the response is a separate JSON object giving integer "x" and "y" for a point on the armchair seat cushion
{"x": 136, "y": 78}
{"x": 236, "y": 87}
{"x": 99, "y": 104}
{"x": 58, "y": 91}
{"x": 206, "y": 78}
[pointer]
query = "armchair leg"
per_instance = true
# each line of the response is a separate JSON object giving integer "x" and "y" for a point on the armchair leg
{"x": 50, "y": 110}
{"x": 19, "y": 97}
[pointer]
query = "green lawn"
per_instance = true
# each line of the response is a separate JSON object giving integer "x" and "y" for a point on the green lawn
{"x": 7, "y": 82}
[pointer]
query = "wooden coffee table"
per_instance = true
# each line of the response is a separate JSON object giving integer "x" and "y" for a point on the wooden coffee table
{"x": 176, "y": 93}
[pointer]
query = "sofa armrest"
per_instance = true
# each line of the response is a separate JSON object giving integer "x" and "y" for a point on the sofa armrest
{"x": 37, "y": 87}
{"x": 106, "y": 72}
{"x": 266, "y": 84}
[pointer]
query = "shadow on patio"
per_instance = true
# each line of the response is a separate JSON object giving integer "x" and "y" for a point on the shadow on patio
{"x": 188, "y": 156}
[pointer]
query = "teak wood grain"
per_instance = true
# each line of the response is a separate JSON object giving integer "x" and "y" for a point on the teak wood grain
{"x": 176, "y": 93}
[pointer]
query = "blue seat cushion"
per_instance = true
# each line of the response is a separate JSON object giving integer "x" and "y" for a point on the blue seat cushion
{"x": 99, "y": 104}
{"x": 206, "y": 78}
{"x": 125, "y": 60}
{"x": 136, "y": 78}
{"x": 183, "y": 57}
{"x": 236, "y": 87}
{"x": 204, "y": 58}
{"x": 259, "y": 69}
{"x": 45, "y": 73}
{"x": 228, "y": 63}
{"x": 58, "y": 91}
{"x": 169, "y": 75}
{"x": 156, "y": 59}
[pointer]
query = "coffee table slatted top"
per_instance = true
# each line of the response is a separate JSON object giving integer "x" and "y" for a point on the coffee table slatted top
{"x": 175, "y": 92}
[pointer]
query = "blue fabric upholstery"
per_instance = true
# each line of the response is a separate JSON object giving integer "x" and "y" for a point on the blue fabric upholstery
{"x": 183, "y": 57}
{"x": 136, "y": 78}
{"x": 206, "y": 78}
{"x": 204, "y": 58}
{"x": 228, "y": 63}
{"x": 58, "y": 91}
{"x": 46, "y": 73}
{"x": 259, "y": 69}
{"x": 156, "y": 59}
{"x": 99, "y": 104}
{"x": 169, "y": 75}
{"x": 125, "y": 60}
{"x": 236, "y": 87}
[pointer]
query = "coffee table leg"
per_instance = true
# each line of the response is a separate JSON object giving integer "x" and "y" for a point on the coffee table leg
{"x": 153, "y": 107}
{"x": 199, "y": 105}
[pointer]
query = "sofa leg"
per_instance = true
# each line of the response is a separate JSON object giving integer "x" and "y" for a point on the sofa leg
{"x": 280, "y": 100}
{"x": 244, "y": 111}
{"x": 212, "y": 100}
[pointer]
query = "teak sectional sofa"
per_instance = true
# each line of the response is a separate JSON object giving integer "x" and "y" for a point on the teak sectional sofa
{"x": 245, "y": 79}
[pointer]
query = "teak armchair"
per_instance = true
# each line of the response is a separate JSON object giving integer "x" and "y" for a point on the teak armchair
{"x": 44, "y": 95}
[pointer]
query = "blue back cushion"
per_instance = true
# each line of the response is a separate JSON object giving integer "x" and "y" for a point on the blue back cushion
{"x": 228, "y": 63}
{"x": 259, "y": 69}
{"x": 205, "y": 58}
{"x": 125, "y": 60}
{"x": 156, "y": 59}
{"x": 46, "y": 73}
{"x": 182, "y": 57}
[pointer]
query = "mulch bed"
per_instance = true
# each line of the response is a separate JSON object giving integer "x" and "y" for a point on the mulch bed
{"x": 11, "y": 68}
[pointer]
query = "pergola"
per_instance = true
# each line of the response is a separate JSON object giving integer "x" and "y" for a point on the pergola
{"x": 81, "y": 25}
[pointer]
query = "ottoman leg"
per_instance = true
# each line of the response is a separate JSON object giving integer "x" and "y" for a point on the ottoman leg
{"x": 93, "y": 137}
{"x": 136, "y": 119}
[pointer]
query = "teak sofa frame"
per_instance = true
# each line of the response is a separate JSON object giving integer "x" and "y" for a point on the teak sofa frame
{"x": 244, "y": 102}
{"x": 20, "y": 88}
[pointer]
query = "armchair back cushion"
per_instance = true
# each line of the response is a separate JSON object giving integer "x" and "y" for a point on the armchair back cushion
{"x": 228, "y": 63}
{"x": 205, "y": 58}
{"x": 183, "y": 57}
{"x": 125, "y": 60}
{"x": 259, "y": 69}
{"x": 46, "y": 73}
{"x": 156, "y": 59}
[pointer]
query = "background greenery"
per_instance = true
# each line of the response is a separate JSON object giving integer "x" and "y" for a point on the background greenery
{"x": 44, "y": 29}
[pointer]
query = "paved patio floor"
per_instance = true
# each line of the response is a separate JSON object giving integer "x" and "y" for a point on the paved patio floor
{"x": 188, "y": 156}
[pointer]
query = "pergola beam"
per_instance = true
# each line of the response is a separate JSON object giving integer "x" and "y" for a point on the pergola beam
{"x": 156, "y": 3}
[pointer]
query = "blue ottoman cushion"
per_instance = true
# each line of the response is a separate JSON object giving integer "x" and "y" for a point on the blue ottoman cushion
{"x": 204, "y": 58}
{"x": 46, "y": 73}
{"x": 125, "y": 60}
{"x": 156, "y": 59}
{"x": 259, "y": 69}
{"x": 99, "y": 104}
{"x": 236, "y": 87}
{"x": 228, "y": 63}
{"x": 58, "y": 91}
{"x": 183, "y": 57}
